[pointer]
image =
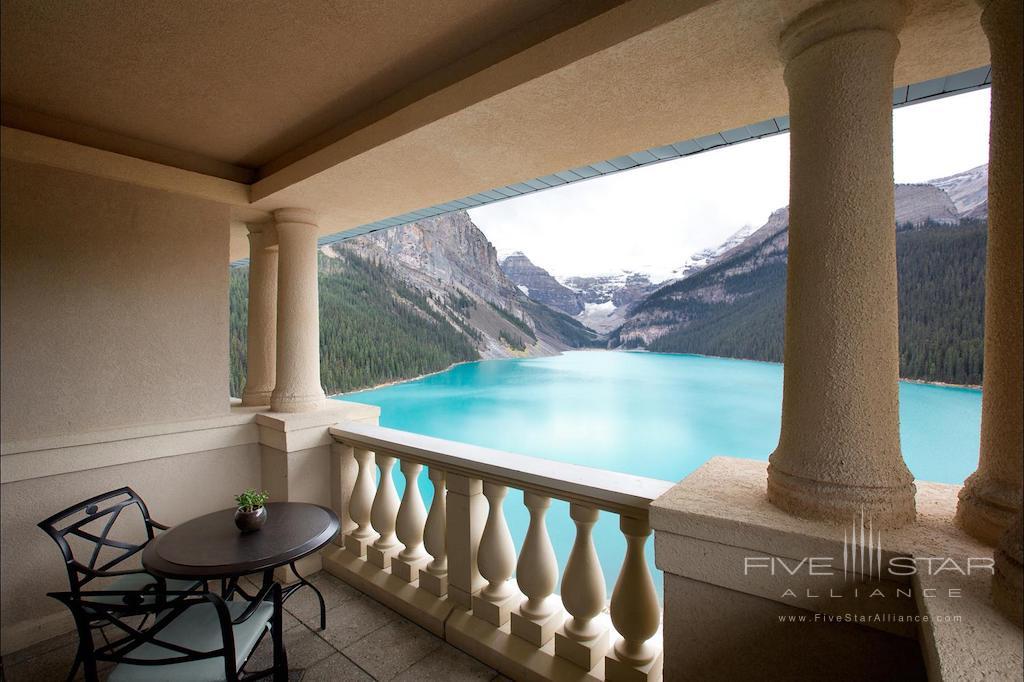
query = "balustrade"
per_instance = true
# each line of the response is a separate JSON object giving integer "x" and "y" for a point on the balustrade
{"x": 462, "y": 550}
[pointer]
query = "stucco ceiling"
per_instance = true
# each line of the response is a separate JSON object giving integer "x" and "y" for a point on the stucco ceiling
{"x": 361, "y": 111}
{"x": 239, "y": 81}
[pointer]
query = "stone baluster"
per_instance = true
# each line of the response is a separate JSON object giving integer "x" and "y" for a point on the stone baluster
{"x": 409, "y": 527}
{"x": 466, "y": 515}
{"x": 434, "y": 578}
{"x": 635, "y": 612}
{"x": 343, "y": 477}
{"x": 539, "y": 615}
{"x": 584, "y": 637}
{"x": 360, "y": 506}
{"x": 496, "y": 559}
{"x": 383, "y": 514}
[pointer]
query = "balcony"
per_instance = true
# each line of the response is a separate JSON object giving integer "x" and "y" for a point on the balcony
{"x": 145, "y": 150}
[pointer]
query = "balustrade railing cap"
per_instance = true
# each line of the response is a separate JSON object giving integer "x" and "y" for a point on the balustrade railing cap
{"x": 622, "y": 493}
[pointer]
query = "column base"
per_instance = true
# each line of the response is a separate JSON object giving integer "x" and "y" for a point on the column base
{"x": 460, "y": 597}
{"x": 256, "y": 398}
{"x": 617, "y": 670}
{"x": 357, "y": 546}
{"x": 297, "y": 403}
{"x": 985, "y": 509}
{"x": 586, "y": 653}
{"x": 1008, "y": 577}
{"x": 495, "y": 612}
{"x": 409, "y": 571}
{"x": 537, "y": 632}
{"x": 436, "y": 585}
{"x": 381, "y": 556}
{"x": 1008, "y": 588}
{"x": 887, "y": 507}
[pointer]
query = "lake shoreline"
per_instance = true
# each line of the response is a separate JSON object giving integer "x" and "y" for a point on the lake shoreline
{"x": 335, "y": 396}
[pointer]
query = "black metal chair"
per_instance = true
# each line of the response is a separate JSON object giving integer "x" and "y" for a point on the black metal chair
{"x": 193, "y": 637}
{"x": 99, "y": 529}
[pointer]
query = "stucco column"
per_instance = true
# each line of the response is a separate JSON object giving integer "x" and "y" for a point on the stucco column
{"x": 261, "y": 337}
{"x": 298, "y": 314}
{"x": 1008, "y": 580}
{"x": 992, "y": 494}
{"x": 839, "y": 450}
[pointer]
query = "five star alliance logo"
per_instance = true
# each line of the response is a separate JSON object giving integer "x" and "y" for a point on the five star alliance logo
{"x": 862, "y": 550}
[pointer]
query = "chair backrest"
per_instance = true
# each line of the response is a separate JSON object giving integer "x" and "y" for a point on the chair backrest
{"x": 95, "y": 535}
{"x": 139, "y": 617}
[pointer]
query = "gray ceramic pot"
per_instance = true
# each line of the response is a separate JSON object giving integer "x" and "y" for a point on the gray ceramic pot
{"x": 249, "y": 521}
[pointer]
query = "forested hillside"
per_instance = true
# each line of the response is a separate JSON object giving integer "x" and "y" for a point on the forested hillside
{"x": 941, "y": 270}
{"x": 373, "y": 328}
{"x": 414, "y": 300}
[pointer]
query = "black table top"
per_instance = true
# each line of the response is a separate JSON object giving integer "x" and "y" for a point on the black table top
{"x": 212, "y": 547}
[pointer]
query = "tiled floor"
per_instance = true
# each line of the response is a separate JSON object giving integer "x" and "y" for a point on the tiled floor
{"x": 364, "y": 640}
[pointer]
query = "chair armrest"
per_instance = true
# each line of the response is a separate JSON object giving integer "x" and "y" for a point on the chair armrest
{"x": 157, "y": 525}
{"x": 275, "y": 593}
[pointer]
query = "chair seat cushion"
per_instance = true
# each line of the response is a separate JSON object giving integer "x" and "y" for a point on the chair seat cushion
{"x": 197, "y": 628}
{"x": 137, "y": 581}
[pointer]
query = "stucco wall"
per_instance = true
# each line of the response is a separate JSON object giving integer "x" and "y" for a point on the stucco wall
{"x": 114, "y": 301}
{"x": 175, "y": 489}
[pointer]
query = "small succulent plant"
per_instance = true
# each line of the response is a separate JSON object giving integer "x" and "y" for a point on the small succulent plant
{"x": 251, "y": 500}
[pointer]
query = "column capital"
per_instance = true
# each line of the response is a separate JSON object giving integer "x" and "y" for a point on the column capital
{"x": 295, "y": 215}
{"x": 838, "y": 17}
{"x": 263, "y": 234}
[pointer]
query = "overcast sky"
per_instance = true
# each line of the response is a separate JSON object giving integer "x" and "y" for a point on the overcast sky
{"x": 652, "y": 219}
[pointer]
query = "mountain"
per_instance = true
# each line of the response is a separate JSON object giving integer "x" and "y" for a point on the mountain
{"x": 607, "y": 298}
{"x": 412, "y": 300}
{"x": 735, "y": 305}
{"x": 968, "y": 191}
{"x": 705, "y": 257}
{"x": 538, "y": 284}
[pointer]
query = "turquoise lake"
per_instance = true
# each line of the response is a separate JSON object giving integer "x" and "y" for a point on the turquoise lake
{"x": 649, "y": 414}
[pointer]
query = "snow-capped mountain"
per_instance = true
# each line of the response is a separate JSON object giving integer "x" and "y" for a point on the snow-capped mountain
{"x": 968, "y": 190}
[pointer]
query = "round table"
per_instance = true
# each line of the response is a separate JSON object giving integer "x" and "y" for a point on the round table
{"x": 211, "y": 547}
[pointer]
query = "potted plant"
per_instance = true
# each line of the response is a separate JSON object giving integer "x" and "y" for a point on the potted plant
{"x": 251, "y": 513}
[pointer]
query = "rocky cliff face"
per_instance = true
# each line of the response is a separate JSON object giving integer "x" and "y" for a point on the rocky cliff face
{"x": 737, "y": 270}
{"x": 607, "y": 298}
{"x": 538, "y": 284}
{"x": 449, "y": 260}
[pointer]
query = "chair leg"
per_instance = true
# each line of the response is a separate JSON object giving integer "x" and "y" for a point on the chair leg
{"x": 277, "y": 635}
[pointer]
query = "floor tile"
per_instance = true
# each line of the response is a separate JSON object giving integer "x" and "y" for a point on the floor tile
{"x": 391, "y": 649}
{"x": 40, "y": 648}
{"x": 54, "y": 664}
{"x": 336, "y": 667}
{"x": 447, "y": 664}
{"x": 303, "y": 647}
{"x": 306, "y": 607}
{"x": 354, "y": 620}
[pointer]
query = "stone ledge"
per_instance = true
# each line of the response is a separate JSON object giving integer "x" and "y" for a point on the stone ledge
{"x": 408, "y": 599}
{"x": 723, "y": 507}
{"x": 334, "y": 411}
